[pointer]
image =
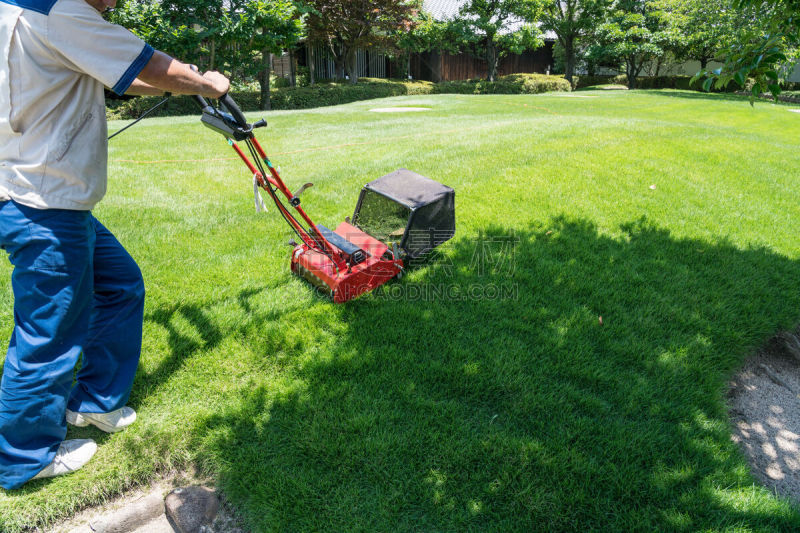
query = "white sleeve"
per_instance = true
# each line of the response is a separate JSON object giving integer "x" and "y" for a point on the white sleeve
{"x": 88, "y": 43}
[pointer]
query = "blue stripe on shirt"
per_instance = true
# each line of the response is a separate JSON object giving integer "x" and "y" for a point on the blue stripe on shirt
{"x": 40, "y": 6}
{"x": 133, "y": 70}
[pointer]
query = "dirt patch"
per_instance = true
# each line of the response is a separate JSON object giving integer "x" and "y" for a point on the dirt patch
{"x": 142, "y": 511}
{"x": 764, "y": 406}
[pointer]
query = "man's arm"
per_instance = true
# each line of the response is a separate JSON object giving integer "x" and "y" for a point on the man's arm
{"x": 140, "y": 88}
{"x": 163, "y": 73}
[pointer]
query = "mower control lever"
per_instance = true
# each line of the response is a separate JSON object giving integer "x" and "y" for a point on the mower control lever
{"x": 225, "y": 124}
{"x": 228, "y": 103}
{"x": 295, "y": 200}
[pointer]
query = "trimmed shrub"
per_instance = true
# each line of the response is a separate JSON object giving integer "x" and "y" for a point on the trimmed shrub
{"x": 664, "y": 82}
{"x": 644, "y": 82}
{"x": 335, "y": 93}
{"x": 511, "y": 84}
{"x": 588, "y": 81}
{"x": 343, "y": 93}
{"x": 175, "y": 106}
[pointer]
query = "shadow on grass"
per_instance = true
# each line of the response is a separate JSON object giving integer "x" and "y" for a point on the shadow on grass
{"x": 719, "y": 97}
{"x": 550, "y": 379}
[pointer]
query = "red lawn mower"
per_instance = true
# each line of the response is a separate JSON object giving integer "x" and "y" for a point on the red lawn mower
{"x": 399, "y": 216}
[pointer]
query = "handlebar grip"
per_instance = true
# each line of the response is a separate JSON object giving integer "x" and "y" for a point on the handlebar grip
{"x": 197, "y": 98}
{"x": 200, "y": 101}
{"x": 234, "y": 110}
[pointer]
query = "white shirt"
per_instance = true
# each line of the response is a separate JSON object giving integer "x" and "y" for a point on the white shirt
{"x": 55, "y": 58}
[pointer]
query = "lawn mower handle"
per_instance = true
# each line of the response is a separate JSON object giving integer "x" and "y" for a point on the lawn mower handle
{"x": 229, "y": 104}
{"x": 226, "y": 101}
{"x": 233, "y": 109}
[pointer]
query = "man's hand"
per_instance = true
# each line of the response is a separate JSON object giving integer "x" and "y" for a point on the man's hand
{"x": 171, "y": 75}
{"x": 220, "y": 83}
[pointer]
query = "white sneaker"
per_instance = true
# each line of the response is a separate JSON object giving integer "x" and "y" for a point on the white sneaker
{"x": 71, "y": 455}
{"x": 108, "y": 422}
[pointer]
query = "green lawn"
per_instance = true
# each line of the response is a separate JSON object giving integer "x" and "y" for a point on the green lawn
{"x": 482, "y": 392}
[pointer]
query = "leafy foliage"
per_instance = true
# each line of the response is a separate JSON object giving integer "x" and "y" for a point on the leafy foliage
{"x": 234, "y": 37}
{"x": 495, "y": 28}
{"x": 708, "y": 26}
{"x": 427, "y": 33}
{"x": 633, "y": 33}
{"x": 572, "y": 20}
{"x": 344, "y": 26}
{"x": 765, "y": 56}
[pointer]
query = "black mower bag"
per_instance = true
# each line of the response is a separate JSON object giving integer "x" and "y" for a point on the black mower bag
{"x": 407, "y": 209}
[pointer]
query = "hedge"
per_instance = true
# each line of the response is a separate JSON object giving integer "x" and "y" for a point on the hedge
{"x": 326, "y": 94}
{"x": 511, "y": 84}
{"x": 648, "y": 82}
{"x": 343, "y": 93}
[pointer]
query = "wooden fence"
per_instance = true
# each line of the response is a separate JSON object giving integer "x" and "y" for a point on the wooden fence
{"x": 433, "y": 66}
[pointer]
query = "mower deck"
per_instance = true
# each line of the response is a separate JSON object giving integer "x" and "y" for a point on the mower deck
{"x": 373, "y": 270}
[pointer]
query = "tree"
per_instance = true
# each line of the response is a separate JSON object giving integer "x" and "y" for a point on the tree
{"x": 633, "y": 33}
{"x": 763, "y": 56}
{"x": 236, "y": 37}
{"x": 345, "y": 26}
{"x": 264, "y": 27}
{"x": 571, "y": 21}
{"x": 500, "y": 27}
{"x": 424, "y": 34}
{"x": 709, "y": 27}
{"x": 156, "y": 23}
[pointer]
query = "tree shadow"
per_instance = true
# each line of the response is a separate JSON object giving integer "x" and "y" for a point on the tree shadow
{"x": 548, "y": 379}
{"x": 717, "y": 97}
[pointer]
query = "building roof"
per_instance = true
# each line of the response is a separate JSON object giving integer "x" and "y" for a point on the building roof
{"x": 447, "y": 9}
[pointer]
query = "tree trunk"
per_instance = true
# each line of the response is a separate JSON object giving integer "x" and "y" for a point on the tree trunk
{"x": 703, "y": 62}
{"x": 212, "y": 53}
{"x": 311, "y": 66}
{"x": 569, "y": 59}
{"x": 263, "y": 79}
{"x": 491, "y": 59}
{"x": 630, "y": 72}
{"x": 659, "y": 64}
{"x": 337, "y": 52}
{"x": 292, "y": 69}
{"x": 351, "y": 63}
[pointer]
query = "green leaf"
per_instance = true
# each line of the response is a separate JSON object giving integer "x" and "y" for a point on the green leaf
{"x": 707, "y": 84}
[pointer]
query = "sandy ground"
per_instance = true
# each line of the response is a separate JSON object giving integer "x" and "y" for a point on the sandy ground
{"x": 764, "y": 406}
{"x": 120, "y": 514}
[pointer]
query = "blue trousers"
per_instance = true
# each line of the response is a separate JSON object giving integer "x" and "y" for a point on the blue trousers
{"x": 77, "y": 295}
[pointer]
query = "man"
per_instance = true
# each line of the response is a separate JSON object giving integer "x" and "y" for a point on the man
{"x": 77, "y": 292}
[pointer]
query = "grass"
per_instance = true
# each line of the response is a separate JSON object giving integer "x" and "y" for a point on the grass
{"x": 481, "y": 392}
